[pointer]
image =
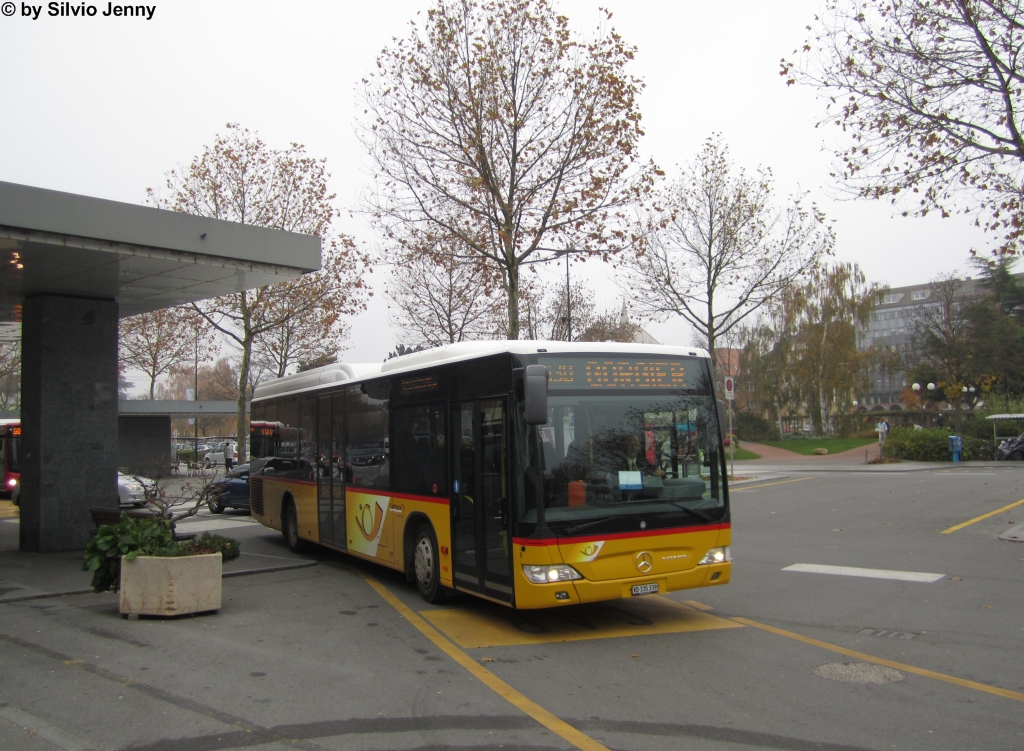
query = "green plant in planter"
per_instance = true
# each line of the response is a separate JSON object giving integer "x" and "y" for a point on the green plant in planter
{"x": 211, "y": 543}
{"x": 126, "y": 539}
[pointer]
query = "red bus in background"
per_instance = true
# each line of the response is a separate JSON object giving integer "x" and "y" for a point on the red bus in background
{"x": 10, "y": 455}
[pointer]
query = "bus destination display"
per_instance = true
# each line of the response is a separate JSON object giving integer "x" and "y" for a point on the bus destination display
{"x": 618, "y": 373}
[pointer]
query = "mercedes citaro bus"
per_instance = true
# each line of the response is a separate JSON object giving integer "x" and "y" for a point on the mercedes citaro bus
{"x": 531, "y": 473}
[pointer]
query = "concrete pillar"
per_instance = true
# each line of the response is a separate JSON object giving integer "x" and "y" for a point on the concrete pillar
{"x": 69, "y": 418}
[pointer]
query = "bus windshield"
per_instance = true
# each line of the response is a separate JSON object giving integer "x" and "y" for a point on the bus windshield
{"x": 634, "y": 453}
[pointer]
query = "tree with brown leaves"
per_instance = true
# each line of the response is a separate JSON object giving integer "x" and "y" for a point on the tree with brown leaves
{"x": 928, "y": 97}
{"x": 156, "y": 342}
{"x": 239, "y": 178}
{"x": 438, "y": 297}
{"x": 494, "y": 125}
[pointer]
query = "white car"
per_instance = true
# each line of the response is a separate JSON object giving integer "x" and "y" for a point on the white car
{"x": 131, "y": 491}
{"x": 216, "y": 456}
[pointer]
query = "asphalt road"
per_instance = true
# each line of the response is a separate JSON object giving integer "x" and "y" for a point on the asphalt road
{"x": 344, "y": 655}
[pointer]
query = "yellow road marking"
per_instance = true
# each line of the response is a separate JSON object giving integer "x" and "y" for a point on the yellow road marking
{"x": 888, "y": 663}
{"x": 480, "y": 624}
{"x": 767, "y": 484}
{"x": 485, "y": 676}
{"x": 698, "y": 605}
{"x": 979, "y": 518}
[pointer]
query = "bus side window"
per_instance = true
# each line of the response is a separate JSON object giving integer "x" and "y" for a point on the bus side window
{"x": 367, "y": 433}
{"x": 420, "y": 457}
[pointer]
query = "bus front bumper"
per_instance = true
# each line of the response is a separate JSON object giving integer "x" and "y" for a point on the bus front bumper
{"x": 529, "y": 595}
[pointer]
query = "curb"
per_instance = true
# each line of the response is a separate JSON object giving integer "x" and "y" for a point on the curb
{"x": 228, "y": 575}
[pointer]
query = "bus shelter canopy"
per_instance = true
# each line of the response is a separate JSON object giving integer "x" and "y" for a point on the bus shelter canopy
{"x": 140, "y": 257}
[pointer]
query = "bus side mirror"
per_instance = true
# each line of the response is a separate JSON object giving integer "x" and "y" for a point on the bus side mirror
{"x": 535, "y": 390}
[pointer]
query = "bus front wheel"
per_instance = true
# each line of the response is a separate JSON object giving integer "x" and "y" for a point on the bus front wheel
{"x": 427, "y": 565}
{"x": 290, "y": 528}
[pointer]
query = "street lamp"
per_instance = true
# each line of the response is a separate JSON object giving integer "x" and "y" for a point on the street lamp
{"x": 917, "y": 390}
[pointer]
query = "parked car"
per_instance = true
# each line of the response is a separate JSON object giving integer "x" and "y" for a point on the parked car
{"x": 216, "y": 455}
{"x": 232, "y": 491}
{"x": 131, "y": 490}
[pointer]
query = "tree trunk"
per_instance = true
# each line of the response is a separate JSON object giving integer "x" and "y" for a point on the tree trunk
{"x": 822, "y": 399}
{"x": 512, "y": 288}
{"x": 241, "y": 422}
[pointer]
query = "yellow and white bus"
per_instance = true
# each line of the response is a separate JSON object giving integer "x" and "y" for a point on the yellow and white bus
{"x": 531, "y": 473}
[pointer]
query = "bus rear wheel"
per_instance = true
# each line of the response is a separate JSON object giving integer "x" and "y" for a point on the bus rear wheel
{"x": 427, "y": 565}
{"x": 290, "y": 528}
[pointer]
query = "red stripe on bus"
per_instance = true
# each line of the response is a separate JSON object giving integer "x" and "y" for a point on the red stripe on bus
{"x": 404, "y": 496}
{"x": 619, "y": 535}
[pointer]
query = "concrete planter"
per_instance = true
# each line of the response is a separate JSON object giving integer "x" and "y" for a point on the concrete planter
{"x": 171, "y": 586}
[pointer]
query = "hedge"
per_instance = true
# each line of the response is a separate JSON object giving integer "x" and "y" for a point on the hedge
{"x": 932, "y": 445}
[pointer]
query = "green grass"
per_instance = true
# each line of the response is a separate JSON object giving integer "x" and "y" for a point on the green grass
{"x": 834, "y": 445}
{"x": 743, "y": 455}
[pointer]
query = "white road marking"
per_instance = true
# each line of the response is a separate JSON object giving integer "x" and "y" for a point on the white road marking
{"x": 869, "y": 573}
{"x": 44, "y": 730}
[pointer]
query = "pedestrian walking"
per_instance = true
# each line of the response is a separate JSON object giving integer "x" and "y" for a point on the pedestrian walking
{"x": 880, "y": 428}
{"x": 229, "y": 456}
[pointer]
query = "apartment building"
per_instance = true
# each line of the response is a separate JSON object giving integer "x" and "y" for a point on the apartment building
{"x": 892, "y": 325}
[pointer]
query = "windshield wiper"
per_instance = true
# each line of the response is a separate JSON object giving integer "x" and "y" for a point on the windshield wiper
{"x": 578, "y": 527}
{"x": 692, "y": 511}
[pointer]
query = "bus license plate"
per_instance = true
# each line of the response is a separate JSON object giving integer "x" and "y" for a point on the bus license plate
{"x": 645, "y": 589}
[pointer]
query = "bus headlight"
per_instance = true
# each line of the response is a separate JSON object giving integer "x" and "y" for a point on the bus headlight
{"x": 717, "y": 555}
{"x": 558, "y": 572}
{"x": 12, "y": 482}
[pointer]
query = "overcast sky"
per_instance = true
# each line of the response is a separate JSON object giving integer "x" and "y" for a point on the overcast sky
{"x": 106, "y": 106}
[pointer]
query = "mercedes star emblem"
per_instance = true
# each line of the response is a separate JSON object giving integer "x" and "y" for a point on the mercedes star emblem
{"x": 644, "y": 562}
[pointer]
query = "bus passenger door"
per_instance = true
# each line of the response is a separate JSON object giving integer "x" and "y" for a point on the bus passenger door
{"x": 330, "y": 477}
{"x": 481, "y": 545}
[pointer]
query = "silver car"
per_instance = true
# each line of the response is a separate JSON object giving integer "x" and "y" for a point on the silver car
{"x": 131, "y": 490}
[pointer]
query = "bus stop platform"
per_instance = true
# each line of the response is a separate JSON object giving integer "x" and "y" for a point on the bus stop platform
{"x": 31, "y": 576}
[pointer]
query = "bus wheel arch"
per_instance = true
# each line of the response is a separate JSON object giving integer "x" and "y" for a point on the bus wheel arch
{"x": 409, "y": 532}
{"x": 427, "y": 564}
{"x": 290, "y": 525}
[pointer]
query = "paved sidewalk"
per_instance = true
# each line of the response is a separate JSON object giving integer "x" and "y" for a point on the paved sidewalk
{"x": 27, "y": 576}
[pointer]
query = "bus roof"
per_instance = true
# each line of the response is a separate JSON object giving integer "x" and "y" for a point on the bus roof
{"x": 453, "y": 353}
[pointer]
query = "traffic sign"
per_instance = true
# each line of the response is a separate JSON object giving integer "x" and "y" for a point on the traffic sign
{"x": 730, "y": 388}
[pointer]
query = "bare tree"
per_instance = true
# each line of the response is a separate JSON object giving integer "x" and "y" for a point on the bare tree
{"x": 157, "y": 341}
{"x": 495, "y": 125}
{"x": 10, "y": 375}
{"x": 241, "y": 179}
{"x": 720, "y": 248}
{"x": 439, "y": 298}
{"x": 928, "y": 96}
